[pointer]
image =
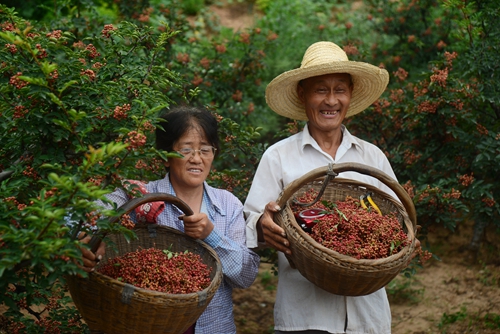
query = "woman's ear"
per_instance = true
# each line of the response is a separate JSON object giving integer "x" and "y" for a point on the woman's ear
{"x": 166, "y": 164}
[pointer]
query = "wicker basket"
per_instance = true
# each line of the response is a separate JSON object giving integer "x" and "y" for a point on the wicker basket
{"x": 113, "y": 307}
{"x": 334, "y": 272}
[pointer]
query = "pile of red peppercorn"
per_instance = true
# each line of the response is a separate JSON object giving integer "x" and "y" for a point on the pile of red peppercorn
{"x": 349, "y": 229}
{"x": 160, "y": 270}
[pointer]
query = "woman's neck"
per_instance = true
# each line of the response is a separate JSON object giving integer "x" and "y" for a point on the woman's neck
{"x": 192, "y": 197}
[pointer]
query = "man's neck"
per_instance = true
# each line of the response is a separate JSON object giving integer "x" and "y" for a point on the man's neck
{"x": 328, "y": 141}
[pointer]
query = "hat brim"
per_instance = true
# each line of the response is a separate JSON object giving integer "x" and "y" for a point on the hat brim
{"x": 369, "y": 83}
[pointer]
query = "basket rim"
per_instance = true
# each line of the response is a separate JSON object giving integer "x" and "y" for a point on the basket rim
{"x": 143, "y": 291}
{"x": 332, "y": 169}
{"x": 401, "y": 210}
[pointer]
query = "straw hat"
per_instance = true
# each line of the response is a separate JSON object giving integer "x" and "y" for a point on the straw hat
{"x": 325, "y": 58}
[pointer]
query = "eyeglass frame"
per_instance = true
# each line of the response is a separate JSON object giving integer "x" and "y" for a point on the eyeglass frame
{"x": 192, "y": 152}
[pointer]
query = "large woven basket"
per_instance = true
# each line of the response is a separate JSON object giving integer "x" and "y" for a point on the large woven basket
{"x": 334, "y": 272}
{"x": 113, "y": 307}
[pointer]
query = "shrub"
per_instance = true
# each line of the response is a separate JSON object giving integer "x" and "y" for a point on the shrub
{"x": 78, "y": 108}
{"x": 78, "y": 112}
{"x": 441, "y": 129}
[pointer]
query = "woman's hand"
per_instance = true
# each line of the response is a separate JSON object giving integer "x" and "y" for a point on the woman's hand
{"x": 91, "y": 259}
{"x": 271, "y": 232}
{"x": 197, "y": 225}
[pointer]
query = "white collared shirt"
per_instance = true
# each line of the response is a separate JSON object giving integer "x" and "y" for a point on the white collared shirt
{"x": 300, "y": 305}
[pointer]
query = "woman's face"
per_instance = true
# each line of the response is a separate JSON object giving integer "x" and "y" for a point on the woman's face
{"x": 192, "y": 170}
{"x": 326, "y": 99}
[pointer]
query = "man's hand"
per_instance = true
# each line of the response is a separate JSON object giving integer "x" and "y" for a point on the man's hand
{"x": 417, "y": 250}
{"x": 418, "y": 247}
{"x": 271, "y": 232}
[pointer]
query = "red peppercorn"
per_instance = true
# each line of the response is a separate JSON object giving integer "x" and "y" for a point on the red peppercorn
{"x": 160, "y": 270}
{"x": 347, "y": 228}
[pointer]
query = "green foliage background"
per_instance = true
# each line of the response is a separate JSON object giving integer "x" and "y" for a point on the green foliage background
{"x": 82, "y": 82}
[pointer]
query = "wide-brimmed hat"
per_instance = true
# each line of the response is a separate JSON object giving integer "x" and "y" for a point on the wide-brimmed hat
{"x": 321, "y": 58}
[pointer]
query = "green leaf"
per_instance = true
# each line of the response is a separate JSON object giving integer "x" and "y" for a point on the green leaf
{"x": 114, "y": 148}
{"x": 76, "y": 115}
{"x": 55, "y": 99}
{"x": 62, "y": 124}
{"x": 48, "y": 68}
{"x": 165, "y": 155}
{"x": 67, "y": 85}
{"x": 35, "y": 81}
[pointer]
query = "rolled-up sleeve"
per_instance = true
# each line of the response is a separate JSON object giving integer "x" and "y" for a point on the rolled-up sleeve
{"x": 240, "y": 265}
{"x": 266, "y": 187}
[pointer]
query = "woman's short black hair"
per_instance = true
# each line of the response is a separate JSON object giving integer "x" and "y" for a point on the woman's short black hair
{"x": 175, "y": 122}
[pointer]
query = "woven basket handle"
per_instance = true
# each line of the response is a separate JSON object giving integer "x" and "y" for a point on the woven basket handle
{"x": 352, "y": 167}
{"x": 134, "y": 203}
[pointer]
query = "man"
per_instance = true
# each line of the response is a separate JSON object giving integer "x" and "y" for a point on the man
{"x": 325, "y": 90}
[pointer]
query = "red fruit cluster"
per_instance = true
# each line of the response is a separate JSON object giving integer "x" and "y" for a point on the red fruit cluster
{"x": 107, "y": 30}
{"x": 349, "y": 229}
{"x": 135, "y": 140}
{"x": 17, "y": 82}
{"x": 160, "y": 270}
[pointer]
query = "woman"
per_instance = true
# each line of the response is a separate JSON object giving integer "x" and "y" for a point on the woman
{"x": 218, "y": 215}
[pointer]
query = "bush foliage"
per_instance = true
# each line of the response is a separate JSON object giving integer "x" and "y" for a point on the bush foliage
{"x": 83, "y": 81}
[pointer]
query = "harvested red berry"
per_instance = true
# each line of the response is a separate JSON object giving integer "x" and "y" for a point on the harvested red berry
{"x": 349, "y": 229}
{"x": 160, "y": 270}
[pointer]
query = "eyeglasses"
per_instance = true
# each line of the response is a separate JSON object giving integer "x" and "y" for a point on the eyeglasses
{"x": 204, "y": 151}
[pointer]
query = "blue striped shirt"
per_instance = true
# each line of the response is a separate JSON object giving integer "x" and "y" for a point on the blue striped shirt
{"x": 239, "y": 264}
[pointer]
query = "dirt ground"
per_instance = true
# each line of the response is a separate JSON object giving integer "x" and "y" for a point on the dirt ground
{"x": 237, "y": 16}
{"x": 455, "y": 294}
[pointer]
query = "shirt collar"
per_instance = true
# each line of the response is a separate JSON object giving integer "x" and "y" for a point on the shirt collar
{"x": 210, "y": 194}
{"x": 210, "y": 197}
{"x": 348, "y": 140}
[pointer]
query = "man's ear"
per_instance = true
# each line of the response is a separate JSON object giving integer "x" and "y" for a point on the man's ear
{"x": 300, "y": 93}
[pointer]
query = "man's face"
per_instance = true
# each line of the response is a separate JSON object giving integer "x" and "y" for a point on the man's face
{"x": 326, "y": 99}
